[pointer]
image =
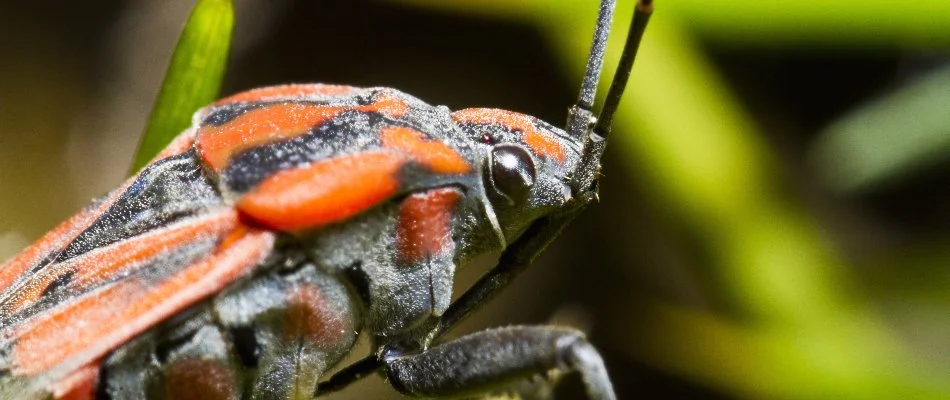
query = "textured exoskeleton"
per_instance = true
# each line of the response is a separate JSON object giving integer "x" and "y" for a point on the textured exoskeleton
{"x": 247, "y": 257}
{"x": 303, "y": 214}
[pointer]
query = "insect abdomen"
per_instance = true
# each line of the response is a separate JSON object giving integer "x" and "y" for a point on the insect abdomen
{"x": 270, "y": 337}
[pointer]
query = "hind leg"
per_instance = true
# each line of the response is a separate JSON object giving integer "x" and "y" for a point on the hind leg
{"x": 495, "y": 359}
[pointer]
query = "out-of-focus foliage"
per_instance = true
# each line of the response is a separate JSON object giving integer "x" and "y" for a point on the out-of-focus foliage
{"x": 836, "y": 23}
{"x": 895, "y": 135}
{"x": 194, "y": 76}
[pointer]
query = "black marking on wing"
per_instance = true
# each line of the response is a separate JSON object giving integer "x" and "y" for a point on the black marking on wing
{"x": 164, "y": 192}
{"x": 64, "y": 288}
{"x": 46, "y": 260}
{"x": 59, "y": 282}
{"x": 228, "y": 112}
{"x": 50, "y": 256}
{"x": 348, "y": 132}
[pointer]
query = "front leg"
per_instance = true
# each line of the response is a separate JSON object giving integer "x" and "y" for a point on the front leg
{"x": 495, "y": 359}
{"x": 416, "y": 349}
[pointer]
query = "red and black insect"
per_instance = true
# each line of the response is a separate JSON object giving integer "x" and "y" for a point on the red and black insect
{"x": 244, "y": 260}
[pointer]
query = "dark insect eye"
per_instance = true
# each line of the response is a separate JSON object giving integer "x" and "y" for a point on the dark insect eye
{"x": 511, "y": 173}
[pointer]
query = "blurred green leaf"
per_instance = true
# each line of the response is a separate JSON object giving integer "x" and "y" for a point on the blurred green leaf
{"x": 866, "y": 23}
{"x": 688, "y": 137}
{"x": 193, "y": 78}
{"x": 884, "y": 140}
{"x": 795, "y": 23}
{"x": 770, "y": 363}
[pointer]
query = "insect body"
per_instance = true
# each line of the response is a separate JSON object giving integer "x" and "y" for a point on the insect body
{"x": 245, "y": 258}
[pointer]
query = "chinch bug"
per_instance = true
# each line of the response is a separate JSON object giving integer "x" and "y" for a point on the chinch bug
{"x": 244, "y": 260}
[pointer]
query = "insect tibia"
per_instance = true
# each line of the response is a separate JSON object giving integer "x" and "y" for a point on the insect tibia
{"x": 637, "y": 27}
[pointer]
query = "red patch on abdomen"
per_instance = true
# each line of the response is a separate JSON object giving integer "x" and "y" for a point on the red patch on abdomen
{"x": 425, "y": 224}
{"x": 200, "y": 379}
{"x": 311, "y": 314}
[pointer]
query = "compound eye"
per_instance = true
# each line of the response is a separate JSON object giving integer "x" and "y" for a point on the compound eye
{"x": 511, "y": 173}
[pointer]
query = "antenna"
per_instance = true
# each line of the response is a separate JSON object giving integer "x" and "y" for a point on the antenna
{"x": 595, "y": 61}
{"x": 641, "y": 16}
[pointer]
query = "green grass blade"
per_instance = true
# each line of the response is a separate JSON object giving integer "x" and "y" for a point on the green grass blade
{"x": 193, "y": 78}
{"x": 809, "y": 24}
{"x": 890, "y": 138}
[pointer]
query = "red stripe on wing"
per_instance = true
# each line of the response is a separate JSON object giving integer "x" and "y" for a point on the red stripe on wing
{"x": 436, "y": 155}
{"x": 278, "y": 121}
{"x": 54, "y": 240}
{"x": 289, "y": 92}
{"x": 324, "y": 192}
{"x": 61, "y": 235}
{"x": 101, "y": 265}
{"x": 95, "y": 324}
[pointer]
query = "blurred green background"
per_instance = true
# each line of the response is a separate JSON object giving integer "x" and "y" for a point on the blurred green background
{"x": 773, "y": 222}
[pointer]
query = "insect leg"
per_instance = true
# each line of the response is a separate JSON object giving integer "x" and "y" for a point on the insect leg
{"x": 495, "y": 359}
{"x": 516, "y": 258}
{"x": 541, "y": 233}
